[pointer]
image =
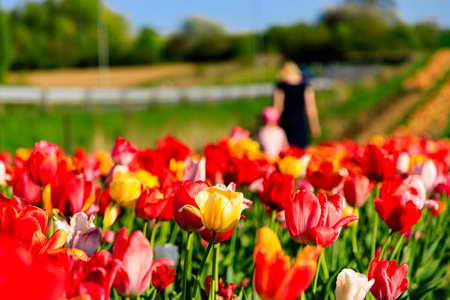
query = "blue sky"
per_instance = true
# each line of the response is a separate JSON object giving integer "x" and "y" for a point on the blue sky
{"x": 247, "y": 15}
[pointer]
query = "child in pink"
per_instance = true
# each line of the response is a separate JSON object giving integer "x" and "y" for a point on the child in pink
{"x": 271, "y": 136}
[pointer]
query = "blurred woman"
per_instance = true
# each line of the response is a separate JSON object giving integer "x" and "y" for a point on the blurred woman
{"x": 295, "y": 101}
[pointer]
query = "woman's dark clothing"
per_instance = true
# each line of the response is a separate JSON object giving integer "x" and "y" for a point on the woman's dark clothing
{"x": 294, "y": 120}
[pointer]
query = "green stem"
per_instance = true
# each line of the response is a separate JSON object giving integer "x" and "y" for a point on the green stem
{"x": 324, "y": 264}
{"x": 202, "y": 264}
{"x": 145, "y": 229}
{"x": 272, "y": 219}
{"x": 317, "y": 273}
{"x": 187, "y": 266}
{"x": 215, "y": 272}
{"x": 385, "y": 246}
{"x": 155, "y": 295}
{"x": 131, "y": 218}
{"x": 375, "y": 223}
{"x": 152, "y": 238}
{"x": 354, "y": 235}
{"x": 397, "y": 246}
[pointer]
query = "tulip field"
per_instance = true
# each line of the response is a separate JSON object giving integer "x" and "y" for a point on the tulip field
{"x": 337, "y": 221}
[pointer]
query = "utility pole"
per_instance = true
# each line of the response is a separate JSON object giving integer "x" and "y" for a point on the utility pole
{"x": 103, "y": 49}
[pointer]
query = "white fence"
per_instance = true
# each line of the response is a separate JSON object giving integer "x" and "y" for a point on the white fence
{"x": 163, "y": 95}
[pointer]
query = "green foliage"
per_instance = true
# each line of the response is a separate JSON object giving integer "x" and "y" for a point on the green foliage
{"x": 55, "y": 34}
{"x": 200, "y": 40}
{"x": 147, "y": 48}
{"x": 5, "y": 49}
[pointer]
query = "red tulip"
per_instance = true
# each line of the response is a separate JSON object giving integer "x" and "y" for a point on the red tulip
{"x": 154, "y": 162}
{"x": 398, "y": 210}
{"x": 376, "y": 163}
{"x": 357, "y": 188}
{"x": 217, "y": 157}
{"x": 26, "y": 188}
{"x": 223, "y": 293}
{"x": 29, "y": 226}
{"x": 312, "y": 219}
{"x": 163, "y": 277}
{"x": 69, "y": 192}
{"x": 390, "y": 281}
{"x": 153, "y": 204}
{"x": 135, "y": 274}
{"x": 173, "y": 148}
{"x": 245, "y": 171}
{"x": 93, "y": 278}
{"x": 276, "y": 188}
{"x": 324, "y": 175}
{"x": 25, "y": 276}
{"x": 43, "y": 162}
{"x": 16, "y": 202}
{"x": 123, "y": 151}
{"x": 206, "y": 236}
{"x": 185, "y": 195}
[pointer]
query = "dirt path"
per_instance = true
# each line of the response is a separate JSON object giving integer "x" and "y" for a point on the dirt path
{"x": 118, "y": 76}
{"x": 392, "y": 115}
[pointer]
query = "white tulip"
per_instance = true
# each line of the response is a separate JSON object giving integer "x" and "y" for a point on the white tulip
{"x": 351, "y": 285}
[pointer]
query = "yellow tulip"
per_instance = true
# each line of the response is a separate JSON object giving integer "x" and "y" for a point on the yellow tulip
{"x": 146, "y": 178}
{"x": 292, "y": 165}
{"x": 350, "y": 211}
{"x": 245, "y": 146}
{"x": 23, "y": 153}
{"x": 219, "y": 210}
{"x": 125, "y": 191}
{"x": 47, "y": 199}
{"x": 111, "y": 214}
{"x": 177, "y": 167}
{"x": 106, "y": 162}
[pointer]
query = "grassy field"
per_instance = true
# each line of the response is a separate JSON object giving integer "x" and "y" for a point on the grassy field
{"x": 194, "y": 124}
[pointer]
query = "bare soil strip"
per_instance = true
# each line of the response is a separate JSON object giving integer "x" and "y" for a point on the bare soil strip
{"x": 118, "y": 76}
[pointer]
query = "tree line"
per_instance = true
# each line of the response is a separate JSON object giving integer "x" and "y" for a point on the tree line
{"x": 63, "y": 33}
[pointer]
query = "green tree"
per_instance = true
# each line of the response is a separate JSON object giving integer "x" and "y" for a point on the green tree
{"x": 147, "y": 48}
{"x": 5, "y": 46}
{"x": 200, "y": 40}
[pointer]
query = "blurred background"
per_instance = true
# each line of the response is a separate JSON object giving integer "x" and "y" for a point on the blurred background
{"x": 83, "y": 72}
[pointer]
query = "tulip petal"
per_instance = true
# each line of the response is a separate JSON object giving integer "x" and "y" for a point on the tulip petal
{"x": 323, "y": 236}
{"x": 213, "y": 210}
{"x": 344, "y": 222}
{"x": 193, "y": 210}
{"x": 231, "y": 215}
{"x": 56, "y": 241}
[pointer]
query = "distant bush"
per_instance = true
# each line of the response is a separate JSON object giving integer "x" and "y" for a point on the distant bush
{"x": 57, "y": 34}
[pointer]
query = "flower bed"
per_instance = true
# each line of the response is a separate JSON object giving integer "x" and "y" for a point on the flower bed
{"x": 335, "y": 221}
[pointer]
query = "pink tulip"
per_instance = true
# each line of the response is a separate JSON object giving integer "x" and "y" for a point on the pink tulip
{"x": 357, "y": 189}
{"x": 123, "y": 152}
{"x": 428, "y": 172}
{"x": 108, "y": 236}
{"x": 194, "y": 170}
{"x": 135, "y": 274}
{"x": 315, "y": 219}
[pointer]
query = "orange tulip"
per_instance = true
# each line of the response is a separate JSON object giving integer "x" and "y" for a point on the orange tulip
{"x": 273, "y": 276}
